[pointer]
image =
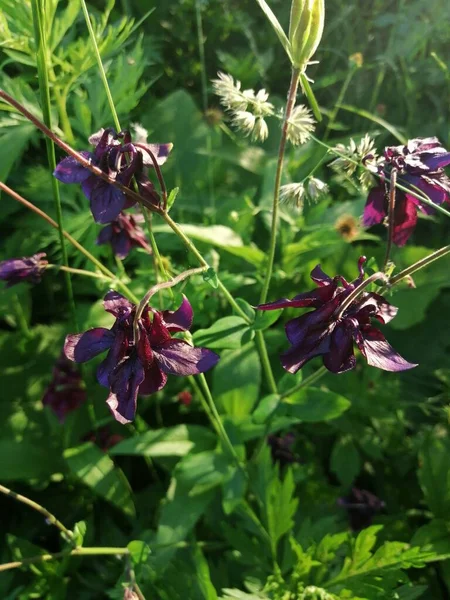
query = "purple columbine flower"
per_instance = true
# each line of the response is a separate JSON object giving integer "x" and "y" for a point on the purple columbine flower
{"x": 281, "y": 448}
{"x": 328, "y": 333}
{"x": 66, "y": 391}
{"x": 27, "y": 268}
{"x": 123, "y": 234}
{"x": 118, "y": 157}
{"x": 362, "y": 506}
{"x": 419, "y": 167}
{"x": 129, "y": 369}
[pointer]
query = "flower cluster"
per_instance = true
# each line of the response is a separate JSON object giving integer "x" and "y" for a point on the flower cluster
{"x": 295, "y": 194}
{"x": 330, "y": 329}
{"x": 419, "y": 166}
{"x": 123, "y": 161}
{"x": 27, "y": 268}
{"x": 300, "y": 125}
{"x": 248, "y": 110}
{"x": 354, "y": 156}
{"x": 140, "y": 366}
{"x": 66, "y": 391}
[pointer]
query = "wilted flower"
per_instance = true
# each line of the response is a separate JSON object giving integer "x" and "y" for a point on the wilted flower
{"x": 130, "y": 369}
{"x": 122, "y": 160}
{"x": 300, "y": 125}
{"x": 66, "y": 391}
{"x": 123, "y": 234}
{"x": 328, "y": 333}
{"x": 27, "y": 268}
{"x": 347, "y": 227}
{"x": 419, "y": 165}
{"x": 362, "y": 506}
{"x": 281, "y": 448}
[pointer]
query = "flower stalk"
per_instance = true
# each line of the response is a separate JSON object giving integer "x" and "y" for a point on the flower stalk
{"x": 420, "y": 264}
{"x": 358, "y": 291}
{"x": 391, "y": 211}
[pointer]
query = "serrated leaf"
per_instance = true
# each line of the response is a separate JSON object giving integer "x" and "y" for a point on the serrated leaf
{"x": 96, "y": 470}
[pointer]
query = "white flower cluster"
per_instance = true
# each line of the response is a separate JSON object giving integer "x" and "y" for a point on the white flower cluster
{"x": 248, "y": 110}
{"x": 300, "y": 125}
{"x": 356, "y": 155}
{"x": 295, "y": 194}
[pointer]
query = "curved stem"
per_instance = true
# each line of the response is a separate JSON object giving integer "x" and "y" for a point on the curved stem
{"x": 70, "y": 239}
{"x": 305, "y": 382}
{"x": 75, "y": 552}
{"x": 420, "y": 264}
{"x": 391, "y": 211}
{"x": 40, "y": 509}
{"x": 358, "y": 290}
{"x": 276, "y": 193}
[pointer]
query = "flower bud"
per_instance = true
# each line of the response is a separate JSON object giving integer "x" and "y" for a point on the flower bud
{"x": 305, "y": 30}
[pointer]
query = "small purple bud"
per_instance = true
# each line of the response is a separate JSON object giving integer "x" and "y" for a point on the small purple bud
{"x": 27, "y": 268}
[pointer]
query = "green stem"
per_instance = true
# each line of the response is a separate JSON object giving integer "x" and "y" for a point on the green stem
{"x": 20, "y": 316}
{"x": 306, "y": 382}
{"x": 100, "y": 66}
{"x": 391, "y": 217}
{"x": 75, "y": 552}
{"x": 276, "y": 194}
{"x": 80, "y": 272}
{"x": 40, "y": 509}
{"x": 420, "y": 264}
{"x": 265, "y": 362}
{"x": 70, "y": 239}
{"x": 42, "y": 66}
{"x": 343, "y": 91}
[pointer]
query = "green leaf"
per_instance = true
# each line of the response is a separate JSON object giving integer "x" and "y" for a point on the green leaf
{"x": 236, "y": 381}
{"x": 281, "y": 506}
{"x": 375, "y": 119}
{"x": 139, "y": 552}
{"x": 434, "y": 474}
{"x": 265, "y": 409}
{"x": 96, "y": 470}
{"x": 203, "y": 471}
{"x": 345, "y": 460}
{"x": 210, "y": 276}
{"x": 227, "y": 333}
{"x": 264, "y": 319}
{"x": 434, "y": 537}
{"x": 203, "y": 576}
{"x": 172, "y": 197}
{"x": 314, "y": 405}
{"x": 27, "y": 459}
{"x": 245, "y": 306}
{"x": 171, "y": 441}
{"x": 234, "y": 491}
{"x": 276, "y": 27}
{"x": 79, "y": 533}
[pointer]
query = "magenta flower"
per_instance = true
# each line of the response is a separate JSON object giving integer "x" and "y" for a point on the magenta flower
{"x": 27, "y": 268}
{"x": 66, "y": 391}
{"x": 328, "y": 333}
{"x": 123, "y": 234}
{"x": 122, "y": 160}
{"x": 419, "y": 167}
{"x": 129, "y": 369}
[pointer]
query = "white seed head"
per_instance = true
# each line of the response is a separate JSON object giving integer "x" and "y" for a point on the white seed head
{"x": 261, "y": 131}
{"x": 293, "y": 194}
{"x": 244, "y": 121}
{"x": 300, "y": 125}
{"x": 316, "y": 189}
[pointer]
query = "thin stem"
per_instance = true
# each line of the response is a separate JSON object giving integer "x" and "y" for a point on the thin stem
{"x": 265, "y": 362}
{"x": 40, "y": 509}
{"x": 44, "y": 89}
{"x": 100, "y": 65}
{"x": 223, "y": 434}
{"x": 20, "y": 316}
{"x": 80, "y": 272}
{"x": 69, "y": 238}
{"x": 420, "y": 264}
{"x": 205, "y": 405}
{"x": 305, "y": 382}
{"x": 358, "y": 291}
{"x": 162, "y": 183}
{"x": 391, "y": 210}
{"x": 337, "y": 104}
{"x": 138, "y": 592}
{"x": 158, "y": 262}
{"x": 75, "y": 552}
{"x": 276, "y": 193}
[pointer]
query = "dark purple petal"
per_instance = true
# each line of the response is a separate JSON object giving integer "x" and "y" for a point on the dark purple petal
{"x": 117, "y": 305}
{"x": 105, "y": 235}
{"x": 372, "y": 305}
{"x": 27, "y": 268}
{"x": 374, "y": 211}
{"x": 319, "y": 277}
{"x": 121, "y": 245}
{"x": 69, "y": 170}
{"x": 436, "y": 159}
{"x": 81, "y": 347}
{"x": 117, "y": 352}
{"x": 177, "y": 357}
{"x": 180, "y": 319}
{"x": 125, "y": 382}
{"x": 297, "y": 329}
{"x": 316, "y": 344}
{"x": 405, "y": 220}
{"x": 154, "y": 380}
{"x": 147, "y": 189}
{"x": 340, "y": 357}
{"x": 378, "y": 352}
{"x": 106, "y": 200}
{"x": 314, "y": 298}
{"x": 434, "y": 191}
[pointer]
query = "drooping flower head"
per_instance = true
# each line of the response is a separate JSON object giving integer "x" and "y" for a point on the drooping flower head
{"x": 120, "y": 159}
{"x": 362, "y": 506}
{"x": 419, "y": 166}
{"x": 66, "y": 391}
{"x": 329, "y": 332}
{"x": 27, "y": 268}
{"x": 123, "y": 234}
{"x": 130, "y": 369}
{"x": 281, "y": 448}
